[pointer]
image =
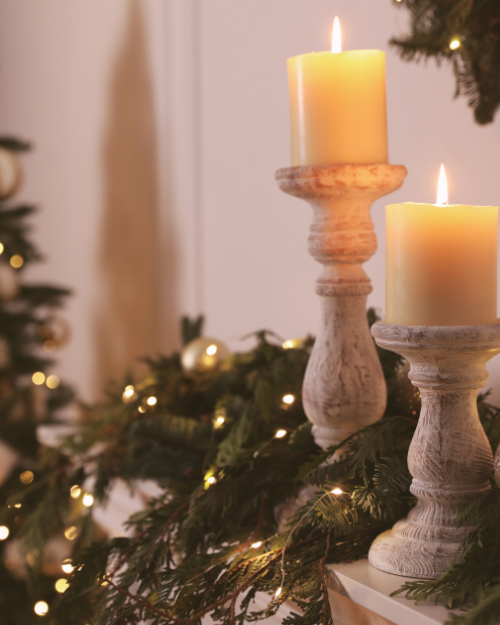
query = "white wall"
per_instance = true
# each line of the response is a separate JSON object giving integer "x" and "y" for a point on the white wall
{"x": 90, "y": 84}
{"x": 257, "y": 271}
{"x": 158, "y": 126}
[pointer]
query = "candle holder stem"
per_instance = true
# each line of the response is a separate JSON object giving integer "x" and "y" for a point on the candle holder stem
{"x": 344, "y": 388}
{"x": 449, "y": 458}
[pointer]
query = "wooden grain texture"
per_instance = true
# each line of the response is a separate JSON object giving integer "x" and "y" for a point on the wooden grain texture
{"x": 449, "y": 458}
{"x": 344, "y": 388}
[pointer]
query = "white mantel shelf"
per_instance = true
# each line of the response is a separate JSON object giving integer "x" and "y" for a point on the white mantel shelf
{"x": 370, "y": 589}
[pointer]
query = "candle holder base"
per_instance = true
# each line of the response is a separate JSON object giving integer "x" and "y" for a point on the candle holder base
{"x": 450, "y": 458}
{"x": 422, "y": 552}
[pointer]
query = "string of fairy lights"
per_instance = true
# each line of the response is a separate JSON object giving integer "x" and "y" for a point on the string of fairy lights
{"x": 41, "y": 608}
{"x": 16, "y": 260}
{"x": 216, "y": 353}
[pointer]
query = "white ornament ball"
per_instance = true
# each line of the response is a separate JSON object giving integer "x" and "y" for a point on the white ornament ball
{"x": 10, "y": 173}
{"x": 9, "y": 283}
{"x": 203, "y": 354}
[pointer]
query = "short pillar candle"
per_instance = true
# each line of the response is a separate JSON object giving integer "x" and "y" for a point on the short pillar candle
{"x": 441, "y": 264}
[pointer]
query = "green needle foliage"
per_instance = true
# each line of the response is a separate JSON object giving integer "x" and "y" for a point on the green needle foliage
{"x": 234, "y": 519}
{"x": 22, "y": 407}
{"x": 476, "y": 62}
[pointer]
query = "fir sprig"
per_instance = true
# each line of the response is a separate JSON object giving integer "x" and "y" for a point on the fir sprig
{"x": 475, "y": 27}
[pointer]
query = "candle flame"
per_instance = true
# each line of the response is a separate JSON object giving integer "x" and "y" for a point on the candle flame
{"x": 336, "y": 36}
{"x": 442, "y": 196}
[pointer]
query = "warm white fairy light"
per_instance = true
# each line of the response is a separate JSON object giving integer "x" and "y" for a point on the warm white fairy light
{"x": 129, "y": 394}
{"x": 67, "y": 567}
{"x": 71, "y": 532}
{"x": 211, "y": 350}
{"x": 152, "y": 401}
{"x": 455, "y": 44}
{"x": 4, "y": 532}
{"x": 278, "y": 592}
{"x": 220, "y": 420}
{"x": 142, "y": 409}
{"x": 337, "y": 491}
{"x": 61, "y": 585}
{"x": 75, "y": 491}
{"x": 17, "y": 261}
{"x": 87, "y": 500}
{"x": 211, "y": 480}
{"x": 41, "y": 608}
{"x": 257, "y": 544}
{"x": 280, "y": 434}
{"x": 53, "y": 381}
{"x": 38, "y": 378}
{"x": 288, "y": 399}
{"x": 293, "y": 344}
{"x": 129, "y": 391}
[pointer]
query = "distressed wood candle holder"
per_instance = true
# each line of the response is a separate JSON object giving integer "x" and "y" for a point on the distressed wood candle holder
{"x": 344, "y": 388}
{"x": 449, "y": 457}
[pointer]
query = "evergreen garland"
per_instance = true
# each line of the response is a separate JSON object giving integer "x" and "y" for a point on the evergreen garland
{"x": 23, "y": 407}
{"x": 475, "y": 25}
{"x": 218, "y": 535}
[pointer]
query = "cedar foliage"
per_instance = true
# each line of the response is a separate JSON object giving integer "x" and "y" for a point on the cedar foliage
{"x": 195, "y": 550}
{"x": 476, "y": 63}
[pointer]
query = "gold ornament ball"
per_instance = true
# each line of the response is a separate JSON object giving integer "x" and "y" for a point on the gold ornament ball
{"x": 9, "y": 283}
{"x": 11, "y": 174}
{"x": 54, "y": 333}
{"x": 203, "y": 354}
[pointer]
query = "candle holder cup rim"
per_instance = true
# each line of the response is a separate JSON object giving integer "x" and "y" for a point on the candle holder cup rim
{"x": 368, "y": 182}
{"x": 312, "y": 171}
{"x": 437, "y": 335}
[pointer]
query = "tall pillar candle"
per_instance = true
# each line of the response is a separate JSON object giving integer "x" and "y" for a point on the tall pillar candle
{"x": 338, "y": 107}
{"x": 441, "y": 264}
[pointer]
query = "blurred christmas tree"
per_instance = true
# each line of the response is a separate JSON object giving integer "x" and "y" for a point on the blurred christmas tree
{"x": 465, "y": 32}
{"x": 29, "y": 395}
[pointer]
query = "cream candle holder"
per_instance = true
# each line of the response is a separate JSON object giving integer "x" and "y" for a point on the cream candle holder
{"x": 344, "y": 388}
{"x": 449, "y": 458}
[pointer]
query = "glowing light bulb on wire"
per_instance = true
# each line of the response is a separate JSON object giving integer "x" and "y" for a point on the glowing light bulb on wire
{"x": 41, "y": 608}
